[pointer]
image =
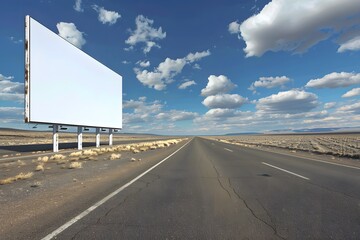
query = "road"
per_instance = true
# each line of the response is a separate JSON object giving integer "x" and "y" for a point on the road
{"x": 212, "y": 190}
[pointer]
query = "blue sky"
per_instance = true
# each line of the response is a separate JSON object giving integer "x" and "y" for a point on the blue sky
{"x": 204, "y": 67}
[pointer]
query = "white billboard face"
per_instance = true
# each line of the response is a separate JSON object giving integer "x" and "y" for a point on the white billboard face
{"x": 64, "y": 85}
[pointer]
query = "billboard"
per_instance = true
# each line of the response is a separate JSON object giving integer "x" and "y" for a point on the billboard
{"x": 64, "y": 85}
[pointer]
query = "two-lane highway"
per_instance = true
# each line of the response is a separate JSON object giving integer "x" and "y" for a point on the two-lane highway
{"x": 213, "y": 190}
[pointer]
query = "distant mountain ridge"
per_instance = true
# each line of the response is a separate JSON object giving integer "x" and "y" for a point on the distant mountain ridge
{"x": 304, "y": 130}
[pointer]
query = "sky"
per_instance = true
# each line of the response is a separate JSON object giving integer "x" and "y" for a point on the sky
{"x": 204, "y": 67}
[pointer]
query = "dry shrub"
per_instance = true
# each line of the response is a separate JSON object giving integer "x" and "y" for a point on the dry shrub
{"x": 21, "y": 163}
{"x": 20, "y": 176}
{"x": 75, "y": 154}
{"x": 115, "y": 156}
{"x": 40, "y": 167}
{"x": 57, "y": 157}
{"x": 74, "y": 165}
{"x": 90, "y": 152}
{"x": 135, "y": 150}
{"x": 132, "y": 159}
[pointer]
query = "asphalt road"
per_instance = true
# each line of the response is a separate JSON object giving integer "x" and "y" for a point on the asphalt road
{"x": 213, "y": 190}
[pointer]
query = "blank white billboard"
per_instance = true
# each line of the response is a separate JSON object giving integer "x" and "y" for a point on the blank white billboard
{"x": 64, "y": 85}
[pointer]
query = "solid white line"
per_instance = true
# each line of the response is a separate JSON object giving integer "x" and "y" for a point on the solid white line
{"x": 228, "y": 150}
{"x": 298, "y": 175}
{"x": 92, "y": 208}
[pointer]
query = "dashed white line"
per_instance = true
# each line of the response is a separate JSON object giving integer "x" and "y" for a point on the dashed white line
{"x": 281, "y": 169}
{"x": 228, "y": 150}
{"x": 93, "y": 207}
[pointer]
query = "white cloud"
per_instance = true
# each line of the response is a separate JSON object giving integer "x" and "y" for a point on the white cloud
{"x": 329, "y": 105}
{"x": 220, "y": 113}
{"x": 125, "y": 62}
{"x": 70, "y": 33}
{"x": 234, "y": 27}
{"x": 106, "y": 16}
{"x": 77, "y": 6}
{"x": 144, "y": 63}
{"x": 11, "y": 114}
{"x": 165, "y": 72}
{"x": 196, "y": 66}
{"x": 287, "y": 25}
{"x": 352, "y": 93}
{"x": 187, "y": 84}
{"x": 176, "y": 115}
{"x": 335, "y": 80}
{"x": 217, "y": 85}
{"x": 293, "y": 101}
{"x": 9, "y": 90}
{"x": 145, "y": 33}
{"x": 224, "y": 101}
{"x": 269, "y": 82}
{"x": 350, "y": 45}
{"x": 193, "y": 57}
{"x": 16, "y": 41}
{"x": 352, "y": 108}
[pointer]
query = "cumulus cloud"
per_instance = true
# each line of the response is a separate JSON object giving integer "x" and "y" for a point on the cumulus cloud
{"x": 77, "y": 6}
{"x": 293, "y": 101}
{"x": 234, "y": 28}
{"x": 166, "y": 71}
{"x": 106, "y": 16}
{"x": 286, "y": 25}
{"x": 145, "y": 33}
{"x": 193, "y": 57}
{"x": 144, "y": 63}
{"x": 352, "y": 108}
{"x": 269, "y": 82}
{"x": 350, "y": 45}
{"x": 329, "y": 105}
{"x": 335, "y": 80}
{"x": 224, "y": 101}
{"x": 176, "y": 115}
{"x": 11, "y": 114}
{"x": 352, "y": 93}
{"x": 9, "y": 90}
{"x": 220, "y": 113}
{"x": 70, "y": 33}
{"x": 217, "y": 85}
{"x": 187, "y": 84}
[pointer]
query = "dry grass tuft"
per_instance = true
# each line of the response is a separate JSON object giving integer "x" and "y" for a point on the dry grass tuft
{"x": 74, "y": 165}
{"x": 132, "y": 159}
{"x": 21, "y": 163}
{"x": 115, "y": 156}
{"x": 57, "y": 157}
{"x": 40, "y": 167}
{"x": 75, "y": 154}
{"x": 20, "y": 176}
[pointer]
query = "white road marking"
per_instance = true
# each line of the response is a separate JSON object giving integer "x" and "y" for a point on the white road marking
{"x": 228, "y": 150}
{"x": 281, "y": 169}
{"x": 92, "y": 208}
{"x": 306, "y": 158}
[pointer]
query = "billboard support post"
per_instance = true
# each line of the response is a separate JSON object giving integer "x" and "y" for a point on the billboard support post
{"x": 56, "y": 138}
{"x": 110, "y": 137}
{"x": 97, "y": 137}
{"x": 79, "y": 138}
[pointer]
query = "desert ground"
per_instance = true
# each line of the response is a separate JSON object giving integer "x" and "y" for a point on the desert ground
{"x": 337, "y": 145}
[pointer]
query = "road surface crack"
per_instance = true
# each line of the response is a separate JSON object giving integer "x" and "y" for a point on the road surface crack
{"x": 218, "y": 178}
{"x": 253, "y": 213}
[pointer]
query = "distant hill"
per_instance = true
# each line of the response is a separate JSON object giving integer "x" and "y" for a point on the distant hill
{"x": 244, "y": 133}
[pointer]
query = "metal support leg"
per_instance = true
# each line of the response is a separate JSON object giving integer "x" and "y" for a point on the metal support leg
{"x": 79, "y": 137}
{"x": 97, "y": 137}
{"x": 55, "y": 138}
{"x": 110, "y": 137}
